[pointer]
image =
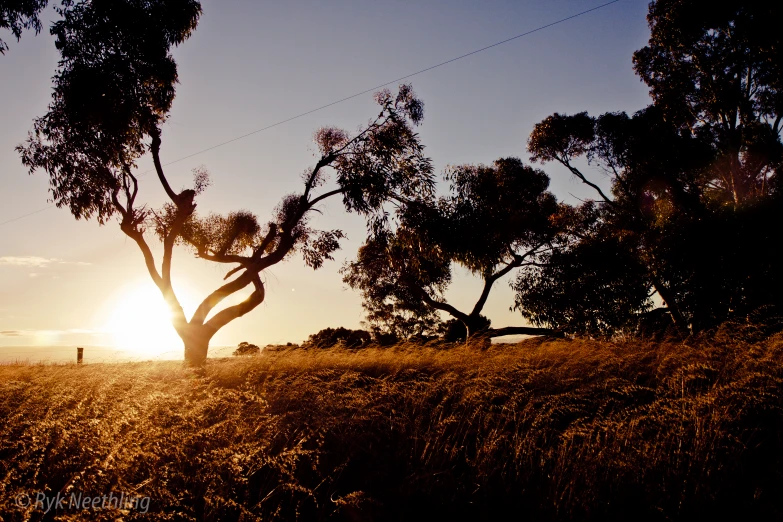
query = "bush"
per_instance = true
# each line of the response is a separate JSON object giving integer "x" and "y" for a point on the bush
{"x": 245, "y": 348}
{"x": 346, "y": 337}
{"x": 385, "y": 339}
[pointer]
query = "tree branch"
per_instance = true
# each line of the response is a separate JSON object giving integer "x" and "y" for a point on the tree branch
{"x": 517, "y": 262}
{"x": 128, "y": 226}
{"x": 324, "y": 161}
{"x": 521, "y": 330}
{"x": 439, "y": 305}
{"x": 184, "y": 204}
{"x": 223, "y": 258}
{"x": 490, "y": 281}
{"x": 270, "y": 236}
{"x": 224, "y": 317}
{"x": 149, "y": 260}
{"x": 170, "y": 238}
{"x": 312, "y": 203}
{"x": 576, "y": 172}
{"x": 155, "y": 149}
{"x": 213, "y": 299}
{"x": 482, "y": 300}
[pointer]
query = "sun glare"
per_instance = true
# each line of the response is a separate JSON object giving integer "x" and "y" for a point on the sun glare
{"x": 140, "y": 322}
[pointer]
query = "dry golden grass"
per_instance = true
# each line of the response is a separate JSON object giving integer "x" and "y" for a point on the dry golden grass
{"x": 547, "y": 430}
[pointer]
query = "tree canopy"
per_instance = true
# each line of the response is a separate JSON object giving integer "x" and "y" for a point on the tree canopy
{"x": 495, "y": 219}
{"x": 113, "y": 90}
{"x": 716, "y": 70}
{"x": 694, "y": 179}
{"x": 19, "y": 15}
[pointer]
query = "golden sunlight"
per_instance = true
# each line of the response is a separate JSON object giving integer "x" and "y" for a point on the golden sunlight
{"x": 140, "y": 321}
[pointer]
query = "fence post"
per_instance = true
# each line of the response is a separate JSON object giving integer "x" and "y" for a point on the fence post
{"x": 79, "y": 355}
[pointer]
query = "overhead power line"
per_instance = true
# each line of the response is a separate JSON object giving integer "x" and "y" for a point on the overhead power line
{"x": 17, "y": 218}
{"x": 366, "y": 91}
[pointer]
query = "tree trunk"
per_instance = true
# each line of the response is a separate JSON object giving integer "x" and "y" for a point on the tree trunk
{"x": 474, "y": 324}
{"x": 668, "y": 299}
{"x": 196, "y": 342}
{"x": 196, "y": 353}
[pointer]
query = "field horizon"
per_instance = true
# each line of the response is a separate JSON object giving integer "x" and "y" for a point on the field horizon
{"x": 64, "y": 354}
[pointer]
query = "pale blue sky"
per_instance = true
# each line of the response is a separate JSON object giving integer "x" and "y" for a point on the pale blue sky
{"x": 250, "y": 64}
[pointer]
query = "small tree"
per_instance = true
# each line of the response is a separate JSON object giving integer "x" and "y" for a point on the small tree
{"x": 112, "y": 92}
{"x": 346, "y": 337}
{"x": 246, "y": 348}
{"x": 495, "y": 219}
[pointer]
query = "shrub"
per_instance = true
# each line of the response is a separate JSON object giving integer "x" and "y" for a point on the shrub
{"x": 245, "y": 348}
{"x": 346, "y": 337}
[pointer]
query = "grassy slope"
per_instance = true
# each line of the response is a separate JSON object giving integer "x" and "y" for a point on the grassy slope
{"x": 554, "y": 431}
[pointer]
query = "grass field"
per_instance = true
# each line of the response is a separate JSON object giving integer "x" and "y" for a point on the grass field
{"x": 555, "y": 430}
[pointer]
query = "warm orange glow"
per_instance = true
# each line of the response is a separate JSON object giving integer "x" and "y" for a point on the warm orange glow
{"x": 139, "y": 321}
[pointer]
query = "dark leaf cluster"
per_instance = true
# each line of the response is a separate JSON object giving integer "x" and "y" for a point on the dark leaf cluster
{"x": 494, "y": 219}
{"x": 18, "y": 15}
{"x": 386, "y": 160}
{"x": 695, "y": 180}
{"x": 113, "y": 87}
{"x": 329, "y": 337}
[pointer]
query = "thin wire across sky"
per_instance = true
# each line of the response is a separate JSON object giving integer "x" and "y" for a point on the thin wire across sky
{"x": 352, "y": 96}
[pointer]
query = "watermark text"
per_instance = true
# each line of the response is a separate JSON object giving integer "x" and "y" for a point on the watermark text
{"x": 78, "y": 501}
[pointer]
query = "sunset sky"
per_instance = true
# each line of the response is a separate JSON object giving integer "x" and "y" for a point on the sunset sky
{"x": 251, "y": 64}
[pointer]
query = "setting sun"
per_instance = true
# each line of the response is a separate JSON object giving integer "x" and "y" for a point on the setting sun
{"x": 140, "y": 322}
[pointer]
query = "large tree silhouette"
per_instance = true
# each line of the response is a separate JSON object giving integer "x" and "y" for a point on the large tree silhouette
{"x": 694, "y": 177}
{"x": 112, "y": 92}
{"x": 495, "y": 219}
{"x": 716, "y": 71}
{"x": 655, "y": 174}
